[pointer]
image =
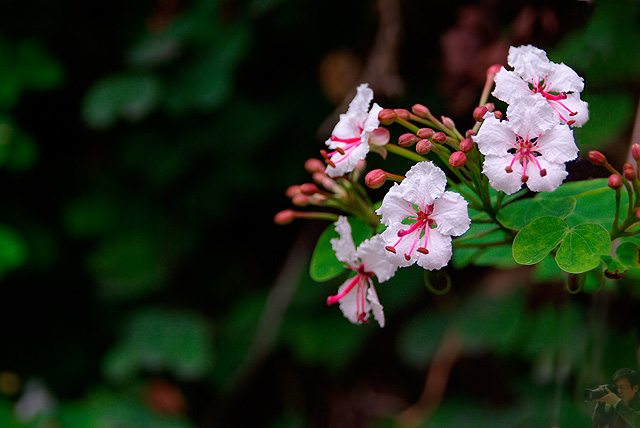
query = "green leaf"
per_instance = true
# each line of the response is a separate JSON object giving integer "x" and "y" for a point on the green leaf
{"x": 121, "y": 96}
{"x": 627, "y": 257}
{"x": 157, "y": 340}
{"x": 324, "y": 264}
{"x": 595, "y": 201}
{"x": 537, "y": 239}
{"x": 522, "y": 212}
{"x": 581, "y": 248}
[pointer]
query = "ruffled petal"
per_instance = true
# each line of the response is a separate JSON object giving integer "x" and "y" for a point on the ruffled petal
{"x": 530, "y": 116}
{"x": 509, "y": 86}
{"x": 374, "y": 304}
{"x": 499, "y": 178}
{"x": 394, "y": 207}
{"x": 562, "y": 78}
{"x": 495, "y": 137}
{"x": 374, "y": 259}
{"x": 528, "y": 61}
{"x": 557, "y": 145}
{"x": 556, "y": 173}
{"x": 440, "y": 251}
{"x": 451, "y": 214}
{"x": 343, "y": 246}
{"x": 390, "y": 238}
{"x": 349, "y": 303}
{"x": 372, "y": 121}
{"x": 573, "y": 104}
{"x": 424, "y": 183}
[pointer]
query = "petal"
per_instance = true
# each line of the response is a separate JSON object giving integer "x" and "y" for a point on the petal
{"x": 343, "y": 246}
{"x": 451, "y": 214}
{"x": 374, "y": 259}
{"x": 376, "y": 307}
{"x": 556, "y": 173}
{"x": 509, "y": 86}
{"x": 424, "y": 183}
{"x": 529, "y": 62}
{"x": 360, "y": 103}
{"x": 372, "y": 121}
{"x": 531, "y": 116}
{"x": 347, "y": 162}
{"x": 349, "y": 303}
{"x": 573, "y": 104}
{"x": 499, "y": 178}
{"x": 558, "y": 144}
{"x": 440, "y": 252}
{"x": 495, "y": 137}
{"x": 394, "y": 208}
{"x": 390, "y": 238}
{"x": 562, "y": 78}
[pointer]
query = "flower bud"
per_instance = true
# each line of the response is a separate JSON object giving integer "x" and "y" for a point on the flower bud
{"x": 466, "y": 145}
{"x": 308, "y": 189}
{"x": 375, "y": 179}
{"x": 300, "y": 200}
{"x": 439, "y": 137}
{"x": 407, "y": 139}
{"x": 597, "y": 158}
{"x": 425, "y": 133}
{"x": 423, "y": 147}
{"x": 629, "y": 172}
{"x": 493, "y": 70}
{"x": 638, "y": 213}
{"x": 635, "y": 151}
{"x": 402, "y": 113}
{"x": 614, "y": 181}
{"x": 387, "y": 116}
{"x": 284, "y": 217}
{"x": 314, "y": 165}
{"x": 490, "y": 106}
{"x": 379, "y": 136}
{"x": 292, "y": 191}
{"x": 448, "y": 122}
{"x": 421, "y": 111}
{"x": 457, "y": 160}
{"x": 498, "y": 114}
{"x": 479, "y": 112}
{"x": 469, "y": 133}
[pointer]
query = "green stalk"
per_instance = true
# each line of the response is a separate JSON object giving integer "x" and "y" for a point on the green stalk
{"x": 405, "y": 153}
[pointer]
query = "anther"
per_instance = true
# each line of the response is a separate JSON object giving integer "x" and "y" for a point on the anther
{"x": 508, "y": 169}
{"x": 525, "y": 178}
{"x": 543, "y": 172}
{"x": 390, "y": 249}
{"x": 339, "y": 150}
{"x": 422, "y": 250}
{"x": 407, "y": 257}
{"x": 330, "y": 163}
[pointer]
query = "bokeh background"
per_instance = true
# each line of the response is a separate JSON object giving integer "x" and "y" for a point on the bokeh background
{"x": 146, "y": 146}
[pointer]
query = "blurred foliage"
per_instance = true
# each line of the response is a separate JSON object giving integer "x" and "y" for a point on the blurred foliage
{"x": 144, "y": 148}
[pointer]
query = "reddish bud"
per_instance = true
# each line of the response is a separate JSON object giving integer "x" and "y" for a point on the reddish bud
{"x": 479, "y": 112}
{"x": 284, "y": 217}
{"x": 498, "y": 114}
{"x": 597, "y": 158}
{"x": 407, "y": 139}
{"x": 635, "y": 151}
{"x": 466, "y": 145}
{"x": 423, "y": 147}
{"x": 490, "y": 106}
{"x": 493, "y": 70}
{"x": 448, "y": 122}
{"x": 638, "y": 213}
{"x": 314, "y": 165}
{"x": 379, "y": 136}
{"x": 292, "y": 191}
{"x": 425, "y": 133}
{"x": 300, "y": 200}
{"x": 439, "y": 137}
{"x": 614, "y": 181}
{"x": 308, "y": 189}
{"x": 402, "y": 113}
{"x": 629, "y": 172}
{"x": 375, "y": 179}
{"x": 469, "y": 133}
{"x": 457, "y": 160}
{"x": 421, "y": 111}
{"x": 387, "y": 116}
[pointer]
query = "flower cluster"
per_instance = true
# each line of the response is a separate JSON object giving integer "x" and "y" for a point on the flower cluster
{"x": 418, "y": 218}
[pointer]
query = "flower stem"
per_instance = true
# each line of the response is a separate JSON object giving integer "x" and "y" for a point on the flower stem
{"x": 406, "y": 153}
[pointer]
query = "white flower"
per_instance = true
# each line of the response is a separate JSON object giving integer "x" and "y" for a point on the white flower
{"x": 421, "y": 218}
{"x": 357, "y": 128}
{"x": 531, "y": 147}
{"x": 533, "y": 74}
{"x": 356, "y": 295}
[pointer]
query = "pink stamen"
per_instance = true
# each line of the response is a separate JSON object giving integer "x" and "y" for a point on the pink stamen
{"x": 345, "y": 140}
{"x": 333, "y": 299}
